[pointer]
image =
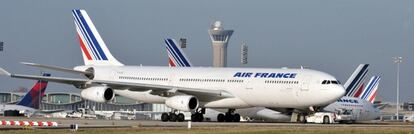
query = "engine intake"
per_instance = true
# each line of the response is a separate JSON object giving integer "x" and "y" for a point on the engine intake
{"x": 182, "y": 102}
{"x": 98, "y": 94}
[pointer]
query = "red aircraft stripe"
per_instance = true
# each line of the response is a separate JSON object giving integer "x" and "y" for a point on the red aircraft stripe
{"x": 359, "y": 91}
{"x": 171, "y": 62}
{"x": 85, "y": 51}
{"x": 373, "y": 97}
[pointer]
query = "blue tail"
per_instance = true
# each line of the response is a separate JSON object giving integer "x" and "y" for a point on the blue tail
{"x": 31, "y": 99}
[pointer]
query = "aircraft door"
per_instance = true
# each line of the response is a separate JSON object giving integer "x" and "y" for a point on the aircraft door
{"x": 303, "y": 89}
{"x": 305, "y": 83}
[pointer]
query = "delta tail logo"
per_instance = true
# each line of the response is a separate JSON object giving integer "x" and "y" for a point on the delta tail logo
{"x": 31, "y": 99}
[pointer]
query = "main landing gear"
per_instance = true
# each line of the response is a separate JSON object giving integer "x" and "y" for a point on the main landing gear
{"x": 172, "y": 116}
{"x": 229, "y": 116}
{"x": 198, "y": 115}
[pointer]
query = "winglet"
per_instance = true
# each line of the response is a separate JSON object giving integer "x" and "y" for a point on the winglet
{"x": 4, "y": 72}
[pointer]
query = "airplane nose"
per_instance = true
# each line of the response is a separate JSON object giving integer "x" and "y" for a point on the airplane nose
{"x": 339, "y": 91}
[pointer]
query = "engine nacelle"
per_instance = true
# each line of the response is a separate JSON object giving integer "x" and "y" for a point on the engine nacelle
{"x": 182, "y": 102}
{"x": 98, "y": 94}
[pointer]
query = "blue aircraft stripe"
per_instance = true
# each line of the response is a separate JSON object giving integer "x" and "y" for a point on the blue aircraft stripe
{"x": 352, "y": 87}
{"x": 181, "y": 56}
{"x": 175, "y": 58}
{"x": 173, "y": 55}
{"x": 370, "y": 87}
{"x": 85, "y": 35}
{"x": 95, "y": 42}
{"x": 371, "y": 82}
{"x": 88, "y": 37}
{"x": 358, "y": 83}
{"x": 87, "y": 43}
{"x": 375, "y": 82}
{"x": 85, "y": 29}
{"x": 171, "y": 50}
{"x": 359, "y": 76}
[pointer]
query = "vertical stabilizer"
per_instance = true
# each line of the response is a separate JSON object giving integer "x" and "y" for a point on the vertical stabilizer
{"x": 370, "y": 91}
{"x": 93, "y": 48}
{"x": 176, "y": 56}
{"x": 356, "y": 79}
{"x": 33, "y": 97}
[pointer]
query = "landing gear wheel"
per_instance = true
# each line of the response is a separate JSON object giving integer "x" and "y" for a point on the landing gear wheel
{"x": 173, "y": 117}
{"x": 221, "y": 118}
{"x": 193, "y": 117}
{"x": 236, "y": 118}
{"x": 164, "y": 117}
{"x": 200, "y": 117}
{"x": 197, "y": 117}
{"x": 229, "y": 117}
{"x": 180, "y": 117}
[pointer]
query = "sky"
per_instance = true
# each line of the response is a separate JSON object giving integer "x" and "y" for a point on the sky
{"x": 333, "y": 36}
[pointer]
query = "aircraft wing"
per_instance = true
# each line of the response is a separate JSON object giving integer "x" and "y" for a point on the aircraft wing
{"x": 56, "y": 68}
{"x": 50, "y": 111}
{"x": 202, "y": 94}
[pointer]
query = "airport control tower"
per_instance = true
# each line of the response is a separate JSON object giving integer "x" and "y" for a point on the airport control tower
{"x": 220, "y": 38}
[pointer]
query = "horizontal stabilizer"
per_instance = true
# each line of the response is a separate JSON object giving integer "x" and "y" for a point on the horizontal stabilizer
{"x": 62, "y": 69}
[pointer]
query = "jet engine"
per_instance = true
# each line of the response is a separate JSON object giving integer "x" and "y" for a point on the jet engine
{"x": 182, "y": 102}
{"x": 98, "y": 93}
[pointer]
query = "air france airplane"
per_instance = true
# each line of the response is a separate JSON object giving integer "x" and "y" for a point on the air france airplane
{"x": 362, "y": 109}
{"x": 355, "y": 95}
{"x": 193, "y": 88}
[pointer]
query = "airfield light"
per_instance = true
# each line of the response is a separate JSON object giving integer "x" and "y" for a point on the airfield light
{"x": 398, "y": 61}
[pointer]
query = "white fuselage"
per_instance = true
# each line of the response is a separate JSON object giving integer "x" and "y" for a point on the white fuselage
{"x": 251, "y": 87}
{"x": 362, "y": 110}
{"x": 21, "y": 109}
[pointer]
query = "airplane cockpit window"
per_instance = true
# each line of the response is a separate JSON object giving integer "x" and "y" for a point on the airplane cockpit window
{"x": 330, "y": 82}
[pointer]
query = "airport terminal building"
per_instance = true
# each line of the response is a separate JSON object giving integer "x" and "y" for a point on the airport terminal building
{"x": 73, "y": 101}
